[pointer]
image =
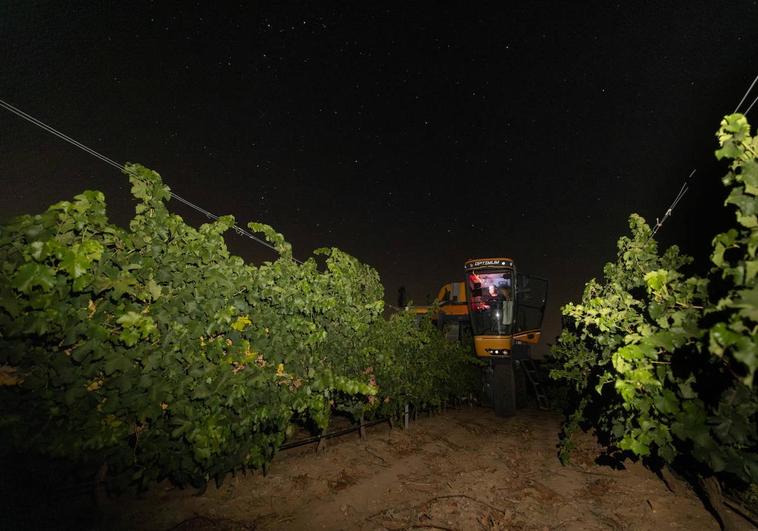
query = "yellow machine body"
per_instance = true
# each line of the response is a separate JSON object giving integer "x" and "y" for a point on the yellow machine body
{"x": 450, "y": 301}
{"x": 500, "y": 308}
{"x": 500, "y": 311}
{"x": 486, "y": 346}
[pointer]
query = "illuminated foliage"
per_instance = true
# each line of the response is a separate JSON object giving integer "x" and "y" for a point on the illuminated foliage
{"x": 662, "y": 364}
{"x": 157, "y": 352}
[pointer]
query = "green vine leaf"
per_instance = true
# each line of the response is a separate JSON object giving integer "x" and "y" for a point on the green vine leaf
{"x": 667, "y": 339}
{"x": 159, "y": 327}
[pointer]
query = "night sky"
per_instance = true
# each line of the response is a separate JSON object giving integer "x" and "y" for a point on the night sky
{"x": 413, "y": 137}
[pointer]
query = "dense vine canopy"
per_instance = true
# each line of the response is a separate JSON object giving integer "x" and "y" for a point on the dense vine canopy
{"x": 156, "y": 351}
{"x": 662, "y": 363}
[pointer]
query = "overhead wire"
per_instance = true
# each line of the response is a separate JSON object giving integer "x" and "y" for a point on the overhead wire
{"x": 683, "y": 190}
{"x": 670, "y": 210}
{"x": 745, "y": 97}
{"x": 121, "y": 167}
{"x": 751, "y": 106}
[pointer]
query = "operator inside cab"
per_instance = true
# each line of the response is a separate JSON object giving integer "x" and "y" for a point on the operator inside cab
{"x": 491, "y": 302}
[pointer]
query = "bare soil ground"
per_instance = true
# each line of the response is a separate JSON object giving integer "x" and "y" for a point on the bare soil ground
{"x": 463, "y": 469}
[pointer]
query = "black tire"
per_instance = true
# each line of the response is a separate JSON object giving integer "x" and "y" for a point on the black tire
{"x": 522, "y": 389}
{"x": 503, "y": 388}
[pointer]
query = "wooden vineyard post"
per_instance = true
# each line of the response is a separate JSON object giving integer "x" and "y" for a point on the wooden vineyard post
{"x": 101, "y": 494}
{"x": 321, "y": 442}
{"x": 406, "y": 417}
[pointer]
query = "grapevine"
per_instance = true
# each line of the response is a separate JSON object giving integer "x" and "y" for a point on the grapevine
{"x": 661, "y": 363}
{"x": 155, "y": 351}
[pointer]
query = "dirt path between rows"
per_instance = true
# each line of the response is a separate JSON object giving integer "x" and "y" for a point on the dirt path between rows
{"x": 464, "y": 469}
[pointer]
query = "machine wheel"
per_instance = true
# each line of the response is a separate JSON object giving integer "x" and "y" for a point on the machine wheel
{"x": 520, "y": 384}
{"x": 503, "y": 388}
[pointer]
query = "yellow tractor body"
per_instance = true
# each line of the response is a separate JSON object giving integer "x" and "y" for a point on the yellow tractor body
{"x": 502, "y": 310}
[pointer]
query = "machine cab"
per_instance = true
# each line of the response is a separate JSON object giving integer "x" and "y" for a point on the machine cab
{"x": 505, "y": 307}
